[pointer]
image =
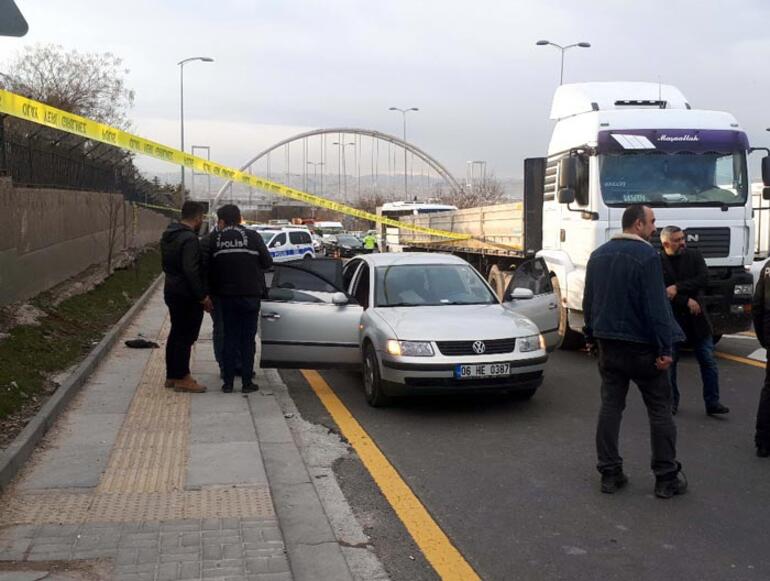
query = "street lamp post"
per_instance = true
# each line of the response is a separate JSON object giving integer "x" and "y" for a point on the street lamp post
{"x": 403, "y": 113}
{"x": 563, "y": 49}
{"x": 181, "y": 64}
{"x": 315, "y": 165}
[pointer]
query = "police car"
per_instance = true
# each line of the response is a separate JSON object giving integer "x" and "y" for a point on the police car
{"x": 287, "y": 243}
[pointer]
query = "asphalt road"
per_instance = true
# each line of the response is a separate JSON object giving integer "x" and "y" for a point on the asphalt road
{"x": 513, "y": 484}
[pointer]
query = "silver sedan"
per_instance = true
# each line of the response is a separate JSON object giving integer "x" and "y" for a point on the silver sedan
{"x": 413, "y": 322}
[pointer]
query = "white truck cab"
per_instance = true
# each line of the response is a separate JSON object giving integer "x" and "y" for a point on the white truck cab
{"x": 616, "y": 144}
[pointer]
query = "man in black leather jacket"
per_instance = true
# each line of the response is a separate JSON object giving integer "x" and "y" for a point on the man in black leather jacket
{"x": 185, "y": 293}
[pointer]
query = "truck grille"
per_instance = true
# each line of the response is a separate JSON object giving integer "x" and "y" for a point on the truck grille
{"x": 492, "y": 347}
{"x": 711, "y": 242}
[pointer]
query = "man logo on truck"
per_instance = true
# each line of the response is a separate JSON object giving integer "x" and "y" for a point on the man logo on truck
{"x": 693, "y": 237}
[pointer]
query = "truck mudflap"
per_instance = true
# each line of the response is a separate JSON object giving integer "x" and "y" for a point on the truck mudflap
{"x": 729, "y": 312}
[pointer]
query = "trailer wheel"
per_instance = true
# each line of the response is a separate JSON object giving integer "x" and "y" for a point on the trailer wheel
{"x": 496, "y": 281}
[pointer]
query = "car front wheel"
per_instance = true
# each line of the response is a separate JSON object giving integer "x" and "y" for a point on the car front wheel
{"x": 375, "y": 397}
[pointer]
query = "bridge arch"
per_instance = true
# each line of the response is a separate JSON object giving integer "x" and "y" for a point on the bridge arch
{"x": 433, "y": 163}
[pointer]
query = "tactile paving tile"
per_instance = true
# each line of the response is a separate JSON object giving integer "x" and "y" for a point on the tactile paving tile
{"x": 72, "y": 508}
{"x": 150, "y": 454}
{"x": 144, "y": 479}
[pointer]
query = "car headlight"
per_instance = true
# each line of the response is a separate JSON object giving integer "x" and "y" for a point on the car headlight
{"x": 530, "y": 343}
{"x": 743, "y": 289}
{"x": 410, "y": 348}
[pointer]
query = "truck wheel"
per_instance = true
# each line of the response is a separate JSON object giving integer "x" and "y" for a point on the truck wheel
{"x": 496, "y": 281}
{"x": 571, "y": 340}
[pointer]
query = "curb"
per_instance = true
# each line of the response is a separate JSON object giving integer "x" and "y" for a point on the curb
{"x": 311, "y": 546}
{"x": 19, "y": 451}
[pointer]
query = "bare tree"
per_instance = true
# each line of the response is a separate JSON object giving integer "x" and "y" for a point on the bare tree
{"x": 113, "y": 211}
{"x": 88, "y": 84}
{"x": 487, "y": 193}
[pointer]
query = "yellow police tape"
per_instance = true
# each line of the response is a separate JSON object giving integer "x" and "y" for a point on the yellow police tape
{"x": 37, "y": 112}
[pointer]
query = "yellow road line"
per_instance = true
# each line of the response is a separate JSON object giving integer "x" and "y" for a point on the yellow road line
{"x": 443, "y": 556}
{"x": 739, "y": 359}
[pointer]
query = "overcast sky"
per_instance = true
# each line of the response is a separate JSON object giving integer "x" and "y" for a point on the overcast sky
{"x": 483, "y": 88}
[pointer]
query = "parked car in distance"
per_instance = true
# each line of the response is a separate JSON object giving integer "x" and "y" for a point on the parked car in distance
{"x": 344, "y": 245}
{"x": 288, "y": 243}
{"x": 415, "y": 323}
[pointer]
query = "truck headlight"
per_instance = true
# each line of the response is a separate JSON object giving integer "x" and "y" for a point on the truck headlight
{"x": 743, "y": 290}
{"x": 530, "y": 343}
{"x": 410, "y": 348}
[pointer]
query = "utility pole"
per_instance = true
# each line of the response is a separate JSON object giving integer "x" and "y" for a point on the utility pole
{"x": 406, "y": 178}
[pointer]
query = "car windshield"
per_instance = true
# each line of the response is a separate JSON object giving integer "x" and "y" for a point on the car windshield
{"x": 412, "y": 285}
{"x": 266, "y": 235}
{"x": 665, "y": 179}
{"x": 348, "y": 240}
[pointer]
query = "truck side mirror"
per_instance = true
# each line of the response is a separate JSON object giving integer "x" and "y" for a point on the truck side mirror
{"x": 766, "y": 173}
{"x": 766, "y": 193}
{"x": 568, "y": 179}
{"x": 566, "y": 196}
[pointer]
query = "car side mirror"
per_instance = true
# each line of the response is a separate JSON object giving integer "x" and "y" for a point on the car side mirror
{"x": 766, "y": 193}
{"x": 520, "y": 294}
{"x": 765, "y": 173}
{"x": 340, "y": 299}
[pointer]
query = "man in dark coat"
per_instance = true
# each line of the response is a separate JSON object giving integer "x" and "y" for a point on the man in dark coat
{"x": 238, "y": 259}
{"x": 686, "y": 278}
{"x": 626, "y": 313}
{"x": 185, "y": 294}
{"x": 760, "y": 310}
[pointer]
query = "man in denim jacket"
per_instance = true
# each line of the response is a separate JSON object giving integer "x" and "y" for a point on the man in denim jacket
{"x": 628, "y": 315}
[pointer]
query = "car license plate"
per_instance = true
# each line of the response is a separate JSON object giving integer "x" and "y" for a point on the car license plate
{"x": 482, "y": 370}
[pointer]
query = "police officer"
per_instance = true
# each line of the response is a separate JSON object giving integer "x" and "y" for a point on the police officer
{"x": 370, "y": 242}
{"x": 238, "y": 259}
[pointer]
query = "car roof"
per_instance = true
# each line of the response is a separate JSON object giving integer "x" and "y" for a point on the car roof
{"x": 406, "y": 258}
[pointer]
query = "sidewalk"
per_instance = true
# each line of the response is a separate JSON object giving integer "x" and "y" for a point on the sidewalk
{"x": 138, "y": 482}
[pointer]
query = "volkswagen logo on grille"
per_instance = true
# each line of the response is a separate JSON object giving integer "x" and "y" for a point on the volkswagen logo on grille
{"x": 479, "y": 347}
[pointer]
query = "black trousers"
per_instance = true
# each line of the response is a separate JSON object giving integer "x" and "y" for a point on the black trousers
{"x": 621, "y": 362}
{"x": 762, "y": 436}
{"x": 240, "y": 316}
{"x": 186, "y": 318}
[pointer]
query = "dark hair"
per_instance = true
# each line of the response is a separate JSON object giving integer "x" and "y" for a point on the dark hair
{"x": 230, "y": 214}
{"x": 632, "y": 214}
{"x": 192, "y": 210}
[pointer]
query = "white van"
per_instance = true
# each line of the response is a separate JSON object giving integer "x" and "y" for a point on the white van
{"x": 290, "y": 243}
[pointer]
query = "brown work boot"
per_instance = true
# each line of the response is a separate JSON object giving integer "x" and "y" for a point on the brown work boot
{"x": 189, "y": 385}
{"x": 169, "y": 382}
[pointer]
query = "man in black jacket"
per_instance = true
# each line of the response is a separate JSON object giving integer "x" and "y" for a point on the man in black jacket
{"x": 238, "y": 259}
{"x": 686, "y": 277}
{"x": 760, "y": 310}
{"x": 185, "y": 295}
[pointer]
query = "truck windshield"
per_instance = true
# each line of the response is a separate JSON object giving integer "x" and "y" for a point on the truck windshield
{"x": 674, "y": 179}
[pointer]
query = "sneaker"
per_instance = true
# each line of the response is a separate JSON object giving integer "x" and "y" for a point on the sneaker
{"x": 613, "y": 481}
{"x": 763, "y": 451}
{"x": 717, "y": 409}
{"x": 671, "y": 484}
{"x": 188, "y": 385}
{"x": 249, "y": 387}
{"x": 227, "y": 388}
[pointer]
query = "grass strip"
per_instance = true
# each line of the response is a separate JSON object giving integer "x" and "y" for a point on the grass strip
{"x": 68, "y": 332}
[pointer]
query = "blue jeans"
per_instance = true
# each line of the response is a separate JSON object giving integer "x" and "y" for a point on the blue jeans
{"x": 240, "y": 316}
{"x": 704, "y": 353}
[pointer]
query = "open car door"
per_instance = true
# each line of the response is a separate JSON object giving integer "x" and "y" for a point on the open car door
{"x": 308, "y": 321}
{"x": 543, "y": 306}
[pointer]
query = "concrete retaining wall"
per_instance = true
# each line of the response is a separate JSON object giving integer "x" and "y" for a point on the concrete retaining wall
{"x": 50, "y": 235}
